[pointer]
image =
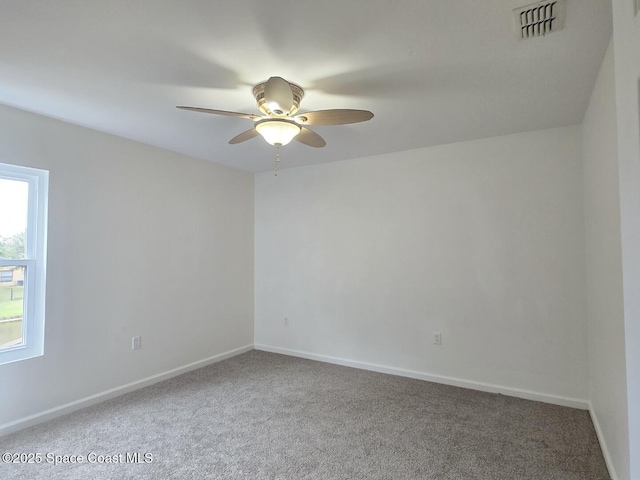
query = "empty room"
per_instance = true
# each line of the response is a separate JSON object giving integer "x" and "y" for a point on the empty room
{"x": 277, "y": 239}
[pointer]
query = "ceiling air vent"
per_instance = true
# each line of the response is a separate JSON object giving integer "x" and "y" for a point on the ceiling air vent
{"x": 539, "y": 19}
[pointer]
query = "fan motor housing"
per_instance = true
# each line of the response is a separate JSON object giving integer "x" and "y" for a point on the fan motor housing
{"x": 296, "y": 90}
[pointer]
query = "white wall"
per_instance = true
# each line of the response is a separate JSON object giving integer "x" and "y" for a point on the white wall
{"x": 482, "y": 241}
{"x": 142, "y": 241}
{"x": 626, "y": 28}
{"x": 605, "y": 309}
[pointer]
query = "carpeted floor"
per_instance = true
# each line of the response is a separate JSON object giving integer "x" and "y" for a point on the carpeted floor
{"x": 266, "y": 416}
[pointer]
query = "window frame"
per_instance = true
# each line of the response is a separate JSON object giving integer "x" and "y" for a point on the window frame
{"x": 34, "y": 261}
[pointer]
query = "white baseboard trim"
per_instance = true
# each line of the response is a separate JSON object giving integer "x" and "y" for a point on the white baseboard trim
{"x": 429, "y": 377}
{"x": 603, "y": 443}
{"x": 52, "y": 413}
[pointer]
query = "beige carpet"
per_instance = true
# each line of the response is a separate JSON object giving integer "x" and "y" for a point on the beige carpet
{"x": 266, "y": 416}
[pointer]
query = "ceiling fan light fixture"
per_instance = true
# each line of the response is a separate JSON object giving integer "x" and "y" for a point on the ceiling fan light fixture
{"x": 279, "y": 99}
{"x": 277, "y": 132}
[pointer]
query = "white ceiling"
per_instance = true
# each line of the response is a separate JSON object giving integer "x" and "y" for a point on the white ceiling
{"x": 432, "y": 71}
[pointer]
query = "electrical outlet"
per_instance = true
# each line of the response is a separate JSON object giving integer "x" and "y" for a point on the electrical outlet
{"x": 136, "y": 343}
{"x": 437, "y": 338}
{"x": 286, "y": 322}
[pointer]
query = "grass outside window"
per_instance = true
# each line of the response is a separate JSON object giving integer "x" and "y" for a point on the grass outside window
{"x": 11, "y": 310}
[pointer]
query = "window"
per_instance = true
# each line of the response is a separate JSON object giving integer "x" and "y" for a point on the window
{"x": 23, "y": 221}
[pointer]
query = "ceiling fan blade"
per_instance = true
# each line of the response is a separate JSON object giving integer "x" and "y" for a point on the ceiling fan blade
{"x": 309, "y": 137}
{"x": 220, "y": 112}
{"x": 278, "y": 95}
{"x": 244, "y": 136}
{"x": 334, "y": 117}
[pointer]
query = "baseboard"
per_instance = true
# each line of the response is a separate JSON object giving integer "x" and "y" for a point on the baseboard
{"x": 429, "y": 377}
{"x": 52, "y": 413}
{"x": 603, "y": 443}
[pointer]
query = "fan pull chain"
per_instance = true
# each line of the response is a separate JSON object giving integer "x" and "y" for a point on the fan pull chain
{"x": 275, "y": 168}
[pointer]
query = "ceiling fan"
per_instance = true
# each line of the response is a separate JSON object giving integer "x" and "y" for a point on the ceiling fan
{"x": 279, "y": 100}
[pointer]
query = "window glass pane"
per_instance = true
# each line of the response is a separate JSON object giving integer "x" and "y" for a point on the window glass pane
{"x": 23, "y": 223}
{"x": 11, "y": 305}
{"x": 14, "y": 202}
